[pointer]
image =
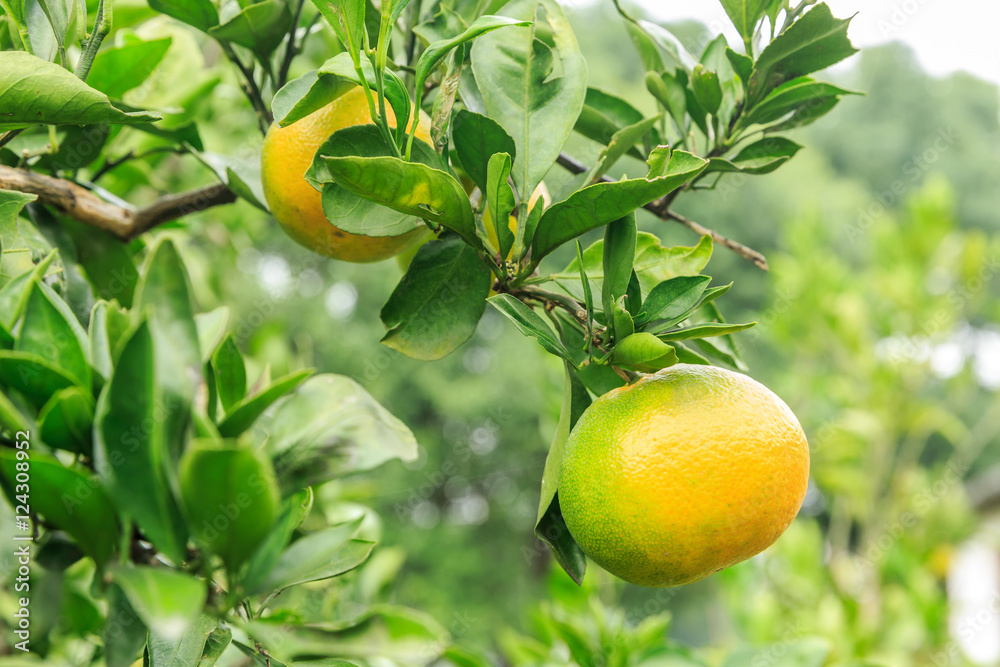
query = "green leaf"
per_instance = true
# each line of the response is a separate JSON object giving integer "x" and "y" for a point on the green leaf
{"x": 130, "y": 449}
{"x": 230, "y": 373}
{"x": 621, "y": 320}
{"x": 438, "y": 303}
{"x": 347, "y": 18}
{"x": 212, "y": 329}
{"x": 302, "y": 96}
{"x": 62, "y": 18}
{"x": 745, "y": 14}
{"x": 165, "y": 293}
{"x": 231, "y": 498}
{"x": 801, "y": 93}
{"x": 603, "y": 115}
{"x": 530, "y": 323}
{"x": 601, "y": 203}
{"x": 478, "y": 138}
{"x": 704, "y": 331}
{"x": 168, "y": 602}
{"x": 706, "y": 88}
{"x": 395, "y": 634}
{"x": 814, "y": 42}
{"x": 215, "y": 645}
{"x": 742, "y": 65}
{"x": 321, "y": 555}
{"x": 35, "y": 92}
{"x": 69, "y": 499}
{"x": 623, "y": 141}
{"x": 332, "y": 427}
{"x": 67, "y": 419}
{"x": 517, "y": 74}
{"x": 653, "y": 263}
{"x": 435, "y": 52}
{"x": 108, "y": 323}
{"x": 198, "y": 13}
{"x": 760, "y": 157}
{"x": 120, "y": 69}
{"x": 408, "y": 187}
{"x": 500, "y": 198}
{"x": 183, "y": 651}
{"x": 260, "y": 27}
{"x": 350, "y": 212}
{"x": 246, "y": 412}
{"x": 549, "y": 525}
{"x": 124, "y": 633}
{"x": 32, "y": 375}
{"x": 340, "y": 70}
{"x": 15, "y": 259}
{"x": 619, "y": 252}
{"x": 673, "y": 299}
{"x": 107, "y": 262}
{"x": 294, "y": 511}
{"x": 51, "y": 331}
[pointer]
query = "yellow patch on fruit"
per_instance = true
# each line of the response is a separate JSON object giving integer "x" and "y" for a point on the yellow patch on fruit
{"x": 298, "y": 207}
{"x": 682, "y": 474}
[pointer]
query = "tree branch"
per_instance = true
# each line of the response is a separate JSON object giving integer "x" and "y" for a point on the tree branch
{"x": 661, "y": 209}
{"x": 126, "y": 224}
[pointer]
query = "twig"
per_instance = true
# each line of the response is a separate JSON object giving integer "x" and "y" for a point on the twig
{"x": 125, "y": 224}
{"x": 661, "y": 209}
{"x": 291, "y": 48}
{"x": 102, "y": 27}
{"x": 251, "y": 90}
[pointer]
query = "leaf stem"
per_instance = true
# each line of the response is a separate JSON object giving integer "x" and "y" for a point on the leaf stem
{"x": 250, "y": 89}
{"x": 102, "y": 27}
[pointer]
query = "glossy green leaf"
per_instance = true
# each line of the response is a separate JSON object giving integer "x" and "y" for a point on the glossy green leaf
{"x": 246, "y": 412}
{"x": 164, "y": 291}
{"x": 347, "y": 18}
{"x": 260, "y": 27}
{"x": 619, "y": 252}
{"x": 294, "y": 511}
{"x": 478, "y": 138}
{"x": 302, "y": 96}
{"x": 704, "y": 331}
{"x": 201, "y": 14}
{"x": 673, "y": 299}
{"x": 760, "y": 157}
{"x": 741, "y": 64}
{"x": 332, "y": 427}
{"x": 108, "y": 323}
{"x": 215, "y": 645}
{"x": 350, "y": 212}
{"x": 658, "y": 48}
{"x": 183, "y": 651}
{"x": 601, "y": 203}
{"x": 230, "y": 373}
{"x": 231, "y": 500}
{"x": 50, "y": 330}
{"x": 500, "y": 199}
{"x": 69, "y": 499}
{"x": 605, "y": 114}
{"x": 549, "y": 525}
{"x": 15, "y": 259}
{"x": 130, "y": 448}
{"x": 320, "y": 555}
{"x": 529, "y": 323}
{"x": 622, "y": 142}
{"x": 792, "y": 96}
{"x": 32, "y": 375}
{"x": 67, "y": 419}
{"x": 515, "y": 70}
{"x": 408, "y": 187}
{"x": 438, "y": 303}
{"x": 168, "y": 601}
{"x": 120, "y": 69}
{"x": 814, "y": 42}
{"x": 745, "y": 14}
{"x": 34, "y": 92}
{"x": 435, "y": 52}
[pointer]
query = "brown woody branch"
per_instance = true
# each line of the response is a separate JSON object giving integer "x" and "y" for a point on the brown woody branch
{"x": 661, "y": 209}
{"x": 126, "y": 224}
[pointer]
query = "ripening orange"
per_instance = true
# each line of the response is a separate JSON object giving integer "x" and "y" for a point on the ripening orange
{"x": 681, "y": 474}
{"x": 298, "y": 207}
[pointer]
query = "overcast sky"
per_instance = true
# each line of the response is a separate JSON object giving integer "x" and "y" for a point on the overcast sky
{"x": 947, "y": 35}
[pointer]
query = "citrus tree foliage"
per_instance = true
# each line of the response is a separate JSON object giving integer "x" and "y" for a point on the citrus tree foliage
{"x": 190, "y": 483}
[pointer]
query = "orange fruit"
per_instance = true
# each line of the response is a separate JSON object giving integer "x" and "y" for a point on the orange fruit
{"x": 298, "y": 207}
{"x": 682, "y": 474}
